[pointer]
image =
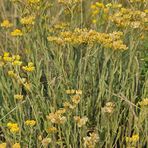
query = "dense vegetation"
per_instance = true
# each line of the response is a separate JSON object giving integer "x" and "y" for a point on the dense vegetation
{"x": 73, "y": 73}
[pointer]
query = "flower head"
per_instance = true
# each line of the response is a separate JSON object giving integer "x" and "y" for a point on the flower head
{"x": 13, "y": 127}
{"x": 30, "y": 123}
{"x": 16, "y": 145}
{"x": 18, "y": 97}
{"x": 27, "y": 20}
{"x": 29, "y": 68}
{"x": 6, "y": 24}
{"x": 16, "y": 32}
{"x": 80, "y": 121}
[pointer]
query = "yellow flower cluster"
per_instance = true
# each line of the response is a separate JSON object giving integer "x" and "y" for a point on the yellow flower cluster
{"x": 30, "y": 123}
{"x": 135, "y": 1}
{"x": 144, "y": 102}
{"x": 57, "y": 117}
{"x": 18, "y": 97}
{"x": 6, "y": 24}
{"x": 109, "y": 107}
{"x": 51, "y": 129}
{"x": 75, "y": 99}
{"x": 28, "y": 20}
{"x": 73, "y": 91}
{"x": 69, "y": 2}
{"x": 33, "y": 1}
{"x": 16, "y": 32}
{"x": 21, "y": 81}
{"x": 29, "y": 68}
{"x": 14, "y": 59}
{"x": 13, "y": 127}
{"x": 101, "y": 9}
{"x": 60, "y": 25}
{"x": 133, "y": 139}
{"x": 16, "y": 145}
{"x": 91, "y": 140}
{"x": 130, "y": 18}
{"x": 3, "y": 145}
{"x": 80, "y": 121}
{"x": 79, "y": 36}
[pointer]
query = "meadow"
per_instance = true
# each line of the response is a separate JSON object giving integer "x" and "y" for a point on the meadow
{"x": 73, "y": 74}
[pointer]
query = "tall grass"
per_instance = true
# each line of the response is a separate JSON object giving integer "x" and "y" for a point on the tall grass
{"x": 113, "y": 82}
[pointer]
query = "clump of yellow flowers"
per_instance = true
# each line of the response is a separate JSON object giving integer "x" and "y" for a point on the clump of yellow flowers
{"x": 134, "y": 138}
{"x": 29, "y": 68}
{"x": 91, "y": 140}
{"x": 91, "y": 37}
{"x": 130, "y": 18}
{"x": 6, "y": 24}
{"x": 14, "y": 59}
{"x": 28, "y": 20}
{"x": 69, "y": 1}
{"x": 57, "y": 117}
{"x": 135, "y": 1}
{"x": 18, "y": 97}
{"x": 30, "y": 123}
{"x": 33, "y": 1}
{"x": 80, "y": 121}
{"x": 73, "y": 91}
{"x": 14, "y": 128}
{"x": 144, "y": 102}
{"x": 16, "y": 145}
{"x": 16, "y": 32}
{"x": 109, "y": 107}
{"x": 131, "y": 141}
{"x": 100, "y": 10}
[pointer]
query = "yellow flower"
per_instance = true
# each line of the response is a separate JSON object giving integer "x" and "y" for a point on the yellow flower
{"x": 67, "y": 105}
{"x": 6, "y": 57}
{"x": 93, "y": 6}
{"x": 16, "y": 145}
{"x": 6, "y": 24}
{"x": 94, "y": 21}
{"x": 14, "y": 130}
{"x": 61, "y": 111}
{"x": 144, "y": 102}
{"x": 27, "y": 85}
{"x": 70, "y": 91}
{"x": 30, "y": 122}
{"x": 28, "y": 20}
{"x": 3, "y": 145}
{"x": 91, "y": 140}
{"x": 33, "y": 1}
{"x": 29, "y": 68}
{"x": 109, "y": 107}
{"x": 56, "y": 118}
{"x": 100, "y": 5}
{"x": 17, "y": 32}
{"x": 80, "y": 121}
{"x": 12, "y": 74}
{"x": 17, "y": 63}
{"x": 75, "y": 99}
{"x": 18, "y": 97}
{"x": 134, "y": 138}
{"x": 52, "y": 129}
{"x": 13, "y": 127}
